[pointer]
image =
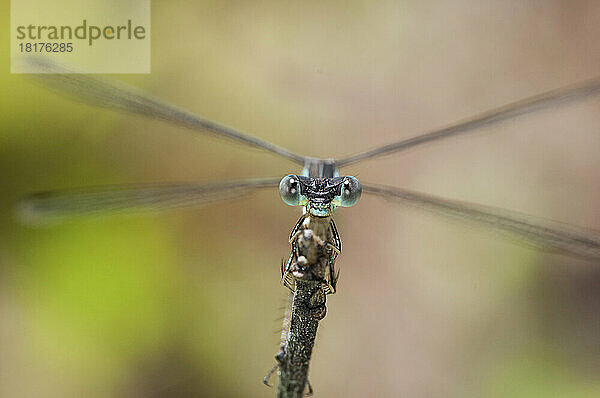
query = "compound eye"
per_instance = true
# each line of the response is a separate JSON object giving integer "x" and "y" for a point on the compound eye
{"x": 289, "y": 190}
{"x": 351, "y": 191}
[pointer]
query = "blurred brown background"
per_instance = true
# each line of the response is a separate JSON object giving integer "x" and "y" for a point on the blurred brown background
{"x": 186, "y": 303}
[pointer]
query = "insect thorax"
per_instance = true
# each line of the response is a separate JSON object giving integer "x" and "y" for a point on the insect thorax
{"x": 320, "y": 168}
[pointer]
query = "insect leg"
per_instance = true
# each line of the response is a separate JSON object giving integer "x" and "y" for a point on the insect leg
{"x": 331, "y": 246}
{"x": 333, "y": 276}
{"x": 337, "y": 242}
{"x": 336, "y": 249}
{"x": 285, "y": 268}
{"x": 310, "y": 391}
{"x": 269, "y": 374}
{"x": 278, "y": 361}
{"x": 296, "y": 231}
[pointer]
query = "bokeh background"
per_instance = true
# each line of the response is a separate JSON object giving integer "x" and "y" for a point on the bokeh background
{"x": 188, "y": 302}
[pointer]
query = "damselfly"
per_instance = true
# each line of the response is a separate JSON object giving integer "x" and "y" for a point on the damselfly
{"x": 318, "y": 188}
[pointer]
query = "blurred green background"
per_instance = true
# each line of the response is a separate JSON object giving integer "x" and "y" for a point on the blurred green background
{"x": 187, "y": 303}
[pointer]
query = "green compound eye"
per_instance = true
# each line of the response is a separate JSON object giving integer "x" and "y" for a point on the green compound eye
{"x": 351, "y": 191}
{"x": 289, "y": 190}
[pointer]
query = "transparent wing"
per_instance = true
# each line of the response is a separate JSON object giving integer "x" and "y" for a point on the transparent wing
{"x": 544, "y": 234}
{"x": 38, "y": 207}
{"x": 529, "y": 105}
{"x": 129, "y": 99}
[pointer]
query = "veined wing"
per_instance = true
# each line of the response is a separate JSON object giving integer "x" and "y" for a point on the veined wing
{"x": 41, "y": 206}
{"x": 544, "y": 234}
{"x": 529, "y": 105}
{"x": 125, "y": 98}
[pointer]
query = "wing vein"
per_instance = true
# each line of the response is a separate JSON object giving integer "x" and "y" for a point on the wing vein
{"x": 529, "y": 105}
{"x": 544, "y": 234}
{"x": 118, "y": 96}
{"x": 131, "y": 198}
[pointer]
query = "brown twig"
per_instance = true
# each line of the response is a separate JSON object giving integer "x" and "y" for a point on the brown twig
{"x": 308, "y": 308}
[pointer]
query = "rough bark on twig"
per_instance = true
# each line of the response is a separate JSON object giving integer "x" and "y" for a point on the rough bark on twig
{"x": 308, "y": 308}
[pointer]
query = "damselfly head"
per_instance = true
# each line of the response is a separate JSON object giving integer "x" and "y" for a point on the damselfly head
{"x": 320, "y": 195}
